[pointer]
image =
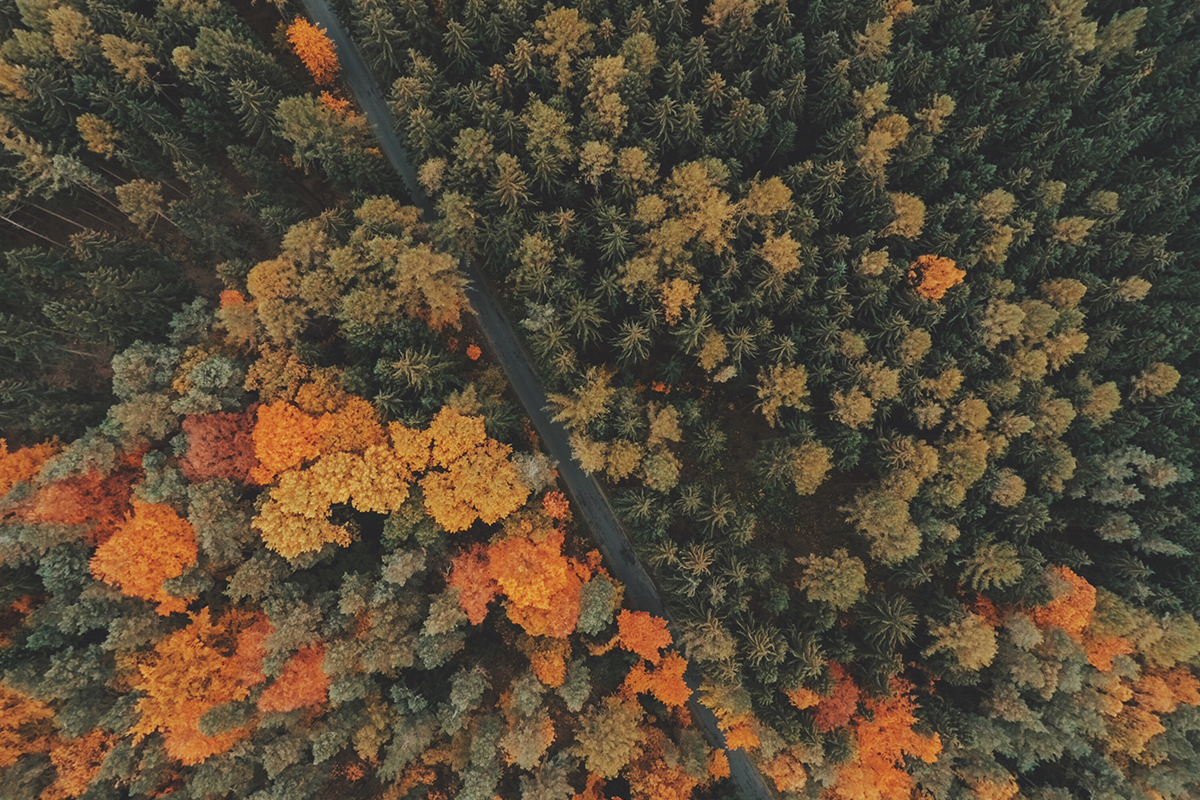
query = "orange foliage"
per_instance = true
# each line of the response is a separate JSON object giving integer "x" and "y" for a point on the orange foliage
{"x": 530, "y": 572}
{"x": 594, "y": 789}
{"x": 556, "y": 506}
{"x": 541, "y": 584}
{"x": 1072, "y": 610}
{"x": 192, "y": 671}
{"x": 803, "y": 698}
{"x": 718, "y": 765}
{"x": 1100, "y": 652}
{"x": 153, "y": 545}
{"x": 24, "y": 726}
{"x": 652, "y": 776}
{"x": 787, "y": 772}
{"x": 471, "y": 574}
{"x": 231, "y": 298}
{"x": 985, "y": 608}
{"x": 315, "y": 49}
{"x": 644, "y": 634}
{"x": 473, "y": 351}
{"x": 666, "y": 683}
{"x": 884, "y": 736}
{"x": 835, "y": 711}
{"x": 742, "y": 735}
{"x": 22, "y": 465}
{"x": 101, "y": 501}
{"x": 302, "y": 683}
{"x": 549, "y": 660}
{"x": 338, "y": 105}
{"x": 77, "y": 762}
{"x": 937, "y": 275}
{"x": 1162, "y": 691}
{"x": 285, "y": 437}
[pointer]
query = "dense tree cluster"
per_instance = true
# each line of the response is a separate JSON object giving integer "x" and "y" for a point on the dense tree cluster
{"x": 876, "y": 319}
{"x": 940, "y": 250}
{"x": 246, "y": 581}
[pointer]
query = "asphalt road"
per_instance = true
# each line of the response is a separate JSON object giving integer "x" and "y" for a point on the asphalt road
{"x": 589, "y": 496}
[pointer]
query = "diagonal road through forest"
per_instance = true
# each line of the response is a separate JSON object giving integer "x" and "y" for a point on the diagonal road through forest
{"x": 586, "y": 491}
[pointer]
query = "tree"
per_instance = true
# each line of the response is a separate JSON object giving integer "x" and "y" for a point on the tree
{"x": 23, "y": 464}
{"x": 838, "y": 579}
{"x": 644, "y": 634}
{"x": 24, "y": 726}
{"x": 970, "y": 639}
{"x": 194, "y": 670}
{"x": 315, "y": 49}
{"x": 836, "y": 710}
{"x": 478, "y": 479}
{"x": 219, "y": 446}
{"x": 608, "y": 735}
{"x": 782, "y": 386}
{"x": 933, "y": 276}
{"x": 153, "y": 545}
{"x": 884, "y": 735}
{"x": 284, "y": 437}
{"x": 302, "y": 683}
{"x": 76, "y": 764}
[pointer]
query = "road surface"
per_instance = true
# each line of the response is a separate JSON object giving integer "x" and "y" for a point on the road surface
{"x": 586, "y": 491}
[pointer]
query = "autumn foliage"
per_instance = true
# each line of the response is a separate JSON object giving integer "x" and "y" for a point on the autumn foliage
{"x": 24, "y": 726}
{"x": 153, "y": 545}
{"x": 884, "y": 735}
{"x": 541, "y": 585}
{"x": 933, "y": 276}
{"x": 315, "y": 49}
{"x": 666, "y": 682}
{"x": 23, "y": 464}
{"x": 835, "y": 711}
{"x": 99, "y": 501}
{"x": 77, "y": 762}
{"x": 644, "y": 634}
{"x": 348, "y": 456}
{"x": 302, "y": 683}
{"x": 219, "y": 446}
{"x": 1071, "y": 610}
{"x": 194, "y": 670}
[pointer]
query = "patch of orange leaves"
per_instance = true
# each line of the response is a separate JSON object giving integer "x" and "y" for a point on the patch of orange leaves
{"x": 315, "y": 49}
{"x": 643, "y": 633}
{"x": 302, "y": 683}
{"x": 936, "y": 275}
{"x": 153, "y": 545}
{"x": 23, "y": 464}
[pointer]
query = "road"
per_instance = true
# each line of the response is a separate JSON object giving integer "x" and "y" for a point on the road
{"x": 589, "y": 496}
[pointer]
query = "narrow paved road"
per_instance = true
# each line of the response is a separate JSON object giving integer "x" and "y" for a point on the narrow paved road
{"x": 589, "y": 496}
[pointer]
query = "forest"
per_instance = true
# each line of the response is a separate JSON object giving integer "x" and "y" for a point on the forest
{"x": 871, "y": 320}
